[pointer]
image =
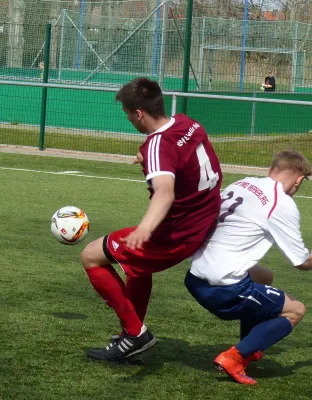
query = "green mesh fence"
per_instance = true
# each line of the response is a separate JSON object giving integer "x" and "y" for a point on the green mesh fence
{"x": 243, "y": 132}
{"x": 105, "y": 43}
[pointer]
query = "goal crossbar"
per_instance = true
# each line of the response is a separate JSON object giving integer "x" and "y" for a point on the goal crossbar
{"x": 213, "y": 47}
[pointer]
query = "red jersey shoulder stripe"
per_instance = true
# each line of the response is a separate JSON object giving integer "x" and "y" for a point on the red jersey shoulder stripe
{"x": 275, "y": 200}
{"x": 153, "y": 154}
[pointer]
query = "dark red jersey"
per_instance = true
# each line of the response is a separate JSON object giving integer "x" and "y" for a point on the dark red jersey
{"x": 181, "y": 148}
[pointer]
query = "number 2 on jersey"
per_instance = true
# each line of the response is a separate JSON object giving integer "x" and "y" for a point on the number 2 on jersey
{"x": 233, "y": 206}
{"x": 208, "y": 178}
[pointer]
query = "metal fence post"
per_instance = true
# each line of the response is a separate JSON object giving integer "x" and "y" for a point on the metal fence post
{"x": 45, "y": 89}
{"x": 81, "y": 17}
{"x": 243, "y": 53}
{"x": 174, "y": 105}
{"x": 253, "y": 115}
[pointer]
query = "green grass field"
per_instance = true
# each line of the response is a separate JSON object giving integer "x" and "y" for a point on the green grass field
{"x": 50, "y": 315}
{"x": 238, "y": 149}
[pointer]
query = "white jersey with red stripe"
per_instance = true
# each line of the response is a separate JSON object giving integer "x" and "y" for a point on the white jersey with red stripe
{"x": 255, "y": 213}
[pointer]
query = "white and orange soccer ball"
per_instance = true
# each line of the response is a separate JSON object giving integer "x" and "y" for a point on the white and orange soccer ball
{"x": 69, "y": 225}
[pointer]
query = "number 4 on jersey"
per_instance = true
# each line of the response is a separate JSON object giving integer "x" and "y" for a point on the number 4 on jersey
{"x": 208, "y": 178}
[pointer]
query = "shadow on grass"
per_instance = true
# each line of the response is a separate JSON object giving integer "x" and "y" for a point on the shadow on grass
{"x": 268, "y": 368}
{"x": 69, "y": 315}
{"x": 200, "y": 357}
{"x": 169, "y": 350}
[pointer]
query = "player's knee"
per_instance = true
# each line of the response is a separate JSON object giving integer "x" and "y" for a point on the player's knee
{"x": 300, "y": 311}
{"x": 296, "y": 314}
{"x": 93, "y": 255}
{"x": 86, "y": 256}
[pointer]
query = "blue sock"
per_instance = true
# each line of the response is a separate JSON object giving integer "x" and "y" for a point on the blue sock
{"x": 245, "y": 327}
{"x": 264, "y": 335}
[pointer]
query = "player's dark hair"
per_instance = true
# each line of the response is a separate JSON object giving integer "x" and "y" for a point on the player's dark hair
{"x": 142, "y": 94}
{"x": 292, "y": 160}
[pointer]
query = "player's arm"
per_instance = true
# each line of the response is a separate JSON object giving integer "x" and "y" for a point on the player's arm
{"x": 161, "y": 202}
{"x": 162, "y": 199}
{"x": 284, "y": 227}
{"x": 138, "y": 159}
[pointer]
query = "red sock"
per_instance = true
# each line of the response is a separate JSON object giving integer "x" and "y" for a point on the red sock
{"x": 112, "y": 289}
{"x": 139, "y": 291}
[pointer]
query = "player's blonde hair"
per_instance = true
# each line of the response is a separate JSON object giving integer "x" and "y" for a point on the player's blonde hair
{"x": 292, "y": 160}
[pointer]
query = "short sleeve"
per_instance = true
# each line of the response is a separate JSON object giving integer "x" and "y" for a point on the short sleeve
{"x": 284, "y": 227}
{"x": 160, "y": 157}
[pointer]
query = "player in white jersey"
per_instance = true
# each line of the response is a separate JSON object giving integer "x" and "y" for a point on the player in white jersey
{"x": 255, "y": 213}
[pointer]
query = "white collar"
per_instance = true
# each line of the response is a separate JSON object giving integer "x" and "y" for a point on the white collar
{"x": 164, "y": 127}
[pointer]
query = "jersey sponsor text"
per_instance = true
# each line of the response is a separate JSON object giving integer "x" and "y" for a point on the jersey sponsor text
{"x": 187, "y": 137}
{"x": 255, "y": 190}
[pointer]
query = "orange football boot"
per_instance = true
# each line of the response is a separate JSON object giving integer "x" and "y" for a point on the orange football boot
{"x": 232, "y": 363}
{"x": 256, "y": 356}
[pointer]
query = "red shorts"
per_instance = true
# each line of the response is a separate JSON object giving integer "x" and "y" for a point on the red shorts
{"x": 153, "y": 257}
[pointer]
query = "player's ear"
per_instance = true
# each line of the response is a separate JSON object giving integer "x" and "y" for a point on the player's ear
{"x": 139, "y": 114}
{"x": 299, "y": 180}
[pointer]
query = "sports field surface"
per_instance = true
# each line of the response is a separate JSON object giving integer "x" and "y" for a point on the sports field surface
{"x": 50, "y": 315}
{"x": 256, "y": 150}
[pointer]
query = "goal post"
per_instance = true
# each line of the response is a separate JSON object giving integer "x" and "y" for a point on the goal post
{"x": 213, "y": 48}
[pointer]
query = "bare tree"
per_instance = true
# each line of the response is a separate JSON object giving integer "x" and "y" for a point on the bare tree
{"x": 212, "y": 8}
{"x": 300, "y": 10}
{"x": 54, "y": 16}
{"x": 256, "y": 7}
{"x": 15, "y": 33}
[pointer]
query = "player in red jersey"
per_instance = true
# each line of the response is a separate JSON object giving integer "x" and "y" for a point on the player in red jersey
{"x": 184, "y": 178}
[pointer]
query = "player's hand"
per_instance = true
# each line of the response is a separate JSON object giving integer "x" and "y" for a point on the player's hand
{"x": 139, "y": 159}
{"x": 136, "y": 238}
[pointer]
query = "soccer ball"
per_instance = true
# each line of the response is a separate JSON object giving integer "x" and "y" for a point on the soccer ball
{"x": 69, "y": 225}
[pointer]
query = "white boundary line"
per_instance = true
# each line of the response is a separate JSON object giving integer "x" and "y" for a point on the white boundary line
{"x": 70, "y": 173}
{"x": 75, "y": 173}
{"x": 304, "y": 197}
